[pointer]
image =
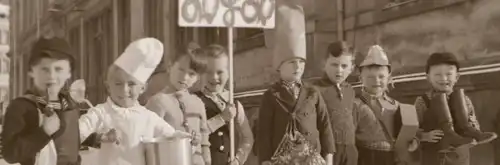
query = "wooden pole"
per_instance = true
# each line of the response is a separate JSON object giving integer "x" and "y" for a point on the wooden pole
{"x": 231, "y": 87}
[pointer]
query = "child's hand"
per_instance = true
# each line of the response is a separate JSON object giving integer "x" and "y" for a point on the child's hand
{"x": 229, "y": 112}
{"x": 413, "y": 145}
{"x": 234, "y": 162}
{"x": 433, "y": 136}
{"x": 51, "y": 124}
{"x": 179, "y": 135}
{"x": 110, "y": 137}
{"x": 53, "y": 93}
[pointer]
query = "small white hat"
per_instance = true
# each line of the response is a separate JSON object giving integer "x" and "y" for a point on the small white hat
{"x": 140, "y": 58}
{"x": 376, "y": 56}
{"x": 289, "y": 33}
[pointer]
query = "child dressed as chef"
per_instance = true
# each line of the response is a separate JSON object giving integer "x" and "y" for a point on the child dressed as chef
{"x": 121, "y": 120}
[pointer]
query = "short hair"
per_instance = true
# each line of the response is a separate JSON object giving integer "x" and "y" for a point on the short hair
{"x": 336, "y": 49}
{"x": 216, "y": 51}
{"x": 196, "y": 58}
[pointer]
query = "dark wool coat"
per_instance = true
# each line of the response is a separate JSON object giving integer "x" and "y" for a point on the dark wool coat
{"x": 279, "y": 107}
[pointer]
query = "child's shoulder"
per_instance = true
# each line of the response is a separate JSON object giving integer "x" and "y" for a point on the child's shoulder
{"x": 21, "y": 104}
{"x": 308, "y": 86}
{"x": 158, "y": 96}
{"x": 196, "y": 100}
{"x": 98, "y": 108}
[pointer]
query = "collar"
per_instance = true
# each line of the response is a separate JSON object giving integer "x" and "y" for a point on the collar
{"x": 174, "y": 92}
{"x": 297, "y": 83}
{"x": 370, "y": 96}
{"x": 115, "y": 107}
{"x": 211, "y": 94}
{"x": 328, "y": 82}
{"x": 431, "y": 92}
{"x": 62, "y": 94}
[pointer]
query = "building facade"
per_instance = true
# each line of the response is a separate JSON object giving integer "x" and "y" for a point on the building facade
{"x": 409, "y": 30}
{"x": 4, "y": 59}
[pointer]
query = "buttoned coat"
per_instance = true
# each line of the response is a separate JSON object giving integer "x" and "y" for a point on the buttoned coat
{"x": 279, "y": 107}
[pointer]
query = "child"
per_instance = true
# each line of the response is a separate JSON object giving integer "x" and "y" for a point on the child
{"x": 293, "y": 126}
{"x": 377, "y": 116}
{"x": 215, "y": 97}
{"x": 121, "y": 120}
{"x": 41, "y": 127}
{"x": 438, "y": 125}
{"x": 339, "y": 98}
{"x": 185, "y": 111}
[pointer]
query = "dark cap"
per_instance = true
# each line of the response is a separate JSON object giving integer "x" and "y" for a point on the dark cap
{"x": 57, "y": 48}
{"x": 442, "y": 58}
{"x": 336, "y": 49}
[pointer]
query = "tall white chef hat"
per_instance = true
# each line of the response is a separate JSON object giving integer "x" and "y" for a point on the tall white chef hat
{"x": 289, "y": 33}
{"x": 140, "y": 58}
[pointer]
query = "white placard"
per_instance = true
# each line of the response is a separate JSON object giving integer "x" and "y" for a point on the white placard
{"x": 227, "y": 13}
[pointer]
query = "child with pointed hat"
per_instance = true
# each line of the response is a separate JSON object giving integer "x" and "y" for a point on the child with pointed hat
{"x": 121, "y": 120}
{"x": 292, "y": 111}
{"x": 377, "y": 116}
{"x": 448, "y": 122}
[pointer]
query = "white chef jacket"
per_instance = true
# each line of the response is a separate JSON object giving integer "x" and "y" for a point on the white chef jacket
{"x": 130, "y": 124}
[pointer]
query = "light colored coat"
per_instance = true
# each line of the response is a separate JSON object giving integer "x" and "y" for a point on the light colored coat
{"x": 131, "y": 124}
{"x": 167, "y": 106}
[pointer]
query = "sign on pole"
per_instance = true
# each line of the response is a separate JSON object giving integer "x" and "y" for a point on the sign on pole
{"x": 227, "y": 13}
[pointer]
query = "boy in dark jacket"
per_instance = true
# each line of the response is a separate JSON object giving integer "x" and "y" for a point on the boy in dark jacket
{"x": 41, "y": 127}
{"x": 339, "y": 99}
{"x": 290, "y": 106}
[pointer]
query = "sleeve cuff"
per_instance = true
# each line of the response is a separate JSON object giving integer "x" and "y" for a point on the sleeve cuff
{"x": 94, "y": 140}
{"x": 215, "y": 123}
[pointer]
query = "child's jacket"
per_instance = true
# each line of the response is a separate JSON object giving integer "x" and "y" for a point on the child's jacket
{"x": 23, "y": 137}
{"x": 219, "y": 137}
{"x": 186, "y": 112}
{"x": 428, "y": 122}
{"x": 378, "y": 123}
{"x": 339, "y": 102}
{"x": 308, "y": 111}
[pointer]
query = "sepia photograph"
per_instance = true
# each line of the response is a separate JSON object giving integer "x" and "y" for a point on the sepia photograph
{"x": 249, "y": 82}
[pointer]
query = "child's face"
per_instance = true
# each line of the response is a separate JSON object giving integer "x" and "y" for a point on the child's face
{"x": 50, "y": 73}
{"x": 292, "y": 70}
{"x": 181, "y": 76}
{"x": 338, "y": 68}
{"x": 217, "y": 74}
{"x": 123, "y": 89}
{"x": 443, "y": 77}
{"x": 375, "y": 79}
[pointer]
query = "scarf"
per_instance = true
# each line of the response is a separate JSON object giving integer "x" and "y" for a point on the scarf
{"x": 48, "y": 154}
{"x": 293, "y": 87}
